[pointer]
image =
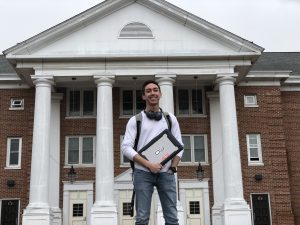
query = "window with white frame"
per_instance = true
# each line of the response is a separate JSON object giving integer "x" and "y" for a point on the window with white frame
{"x": 80, "y": 150}
{"x": 190, "y": 102}
{"x": 81, "y": 102}
{"x": 195, "y": 149}
{"x": 254, "y": 149}
{"x": 131, "y": 102}
{"x": 16, "y": 104}
{"x": 14, "y": 150}
{"x": 250, "y": 100}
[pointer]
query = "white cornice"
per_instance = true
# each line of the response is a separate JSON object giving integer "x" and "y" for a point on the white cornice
{"x": 259, "y": 83}
{"x": 14, "y": 86}
{"x": 267, "y": 77}
{"x": 187, "y": 55}
{"x": 9, "y": 77}
{"x": 290, "y": 88}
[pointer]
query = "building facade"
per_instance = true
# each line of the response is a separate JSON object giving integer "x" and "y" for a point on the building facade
{"x": 68, "y": 92}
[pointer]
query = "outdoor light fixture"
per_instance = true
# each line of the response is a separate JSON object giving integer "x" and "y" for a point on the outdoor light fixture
{"x": 11, "y": 183}
{"x": 72, "y": 175}
{"x": 200, "y": 172}
{"x": 258, "y": 177}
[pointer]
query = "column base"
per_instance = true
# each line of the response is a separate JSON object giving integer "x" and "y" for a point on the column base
{"x": 57, "y": 216}
{"x": 236, "y": 212}
{"x": 104, "y": 213}
{"x": 216, "y": 215}
{"x": 160, "y": 216}
{"x": 37, "y": 216}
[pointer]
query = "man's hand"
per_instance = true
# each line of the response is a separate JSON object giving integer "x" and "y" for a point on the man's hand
{"x": 154, "y": 167}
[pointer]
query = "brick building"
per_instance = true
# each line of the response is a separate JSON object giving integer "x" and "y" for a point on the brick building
{"x": 67, "y": 93}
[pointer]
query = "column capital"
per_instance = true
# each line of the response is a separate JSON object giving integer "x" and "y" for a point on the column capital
{"x": 42, "y": 80}
{"x": 165, "y": 78}
{"x": 225, "y": 80}
{"x": 102, "y": 80}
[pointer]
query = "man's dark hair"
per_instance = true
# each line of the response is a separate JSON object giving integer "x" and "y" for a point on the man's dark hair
{"x": 149, "y": 82}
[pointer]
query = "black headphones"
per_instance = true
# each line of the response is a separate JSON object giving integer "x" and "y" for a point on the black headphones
{"x": 154, "y": 115}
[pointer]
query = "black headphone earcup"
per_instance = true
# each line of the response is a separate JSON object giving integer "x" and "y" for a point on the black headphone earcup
{"x": 154, "y": 115}
{"x": 158, "y": 116}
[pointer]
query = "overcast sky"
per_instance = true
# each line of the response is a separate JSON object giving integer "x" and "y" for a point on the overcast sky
{"x": 272, "y": 24}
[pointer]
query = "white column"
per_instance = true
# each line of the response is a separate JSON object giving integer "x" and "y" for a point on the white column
{"x": 166, "y": 86}
{"x": 235, "y": 210}
{"x": 54, "y": 170}
{"x": 167, "y": 104}
{"x": 38, "y": 211}
{"x": 217, "y": 157}
{"x": 104, "y": 210}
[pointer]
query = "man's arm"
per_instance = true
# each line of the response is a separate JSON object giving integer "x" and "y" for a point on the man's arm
{"x": 153, "y": 167}
{"x": 175, "y": 161}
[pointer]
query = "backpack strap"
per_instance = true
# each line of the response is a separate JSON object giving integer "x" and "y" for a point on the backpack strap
{"x": 168, "y": 119}
{"x": 138, "y": 119}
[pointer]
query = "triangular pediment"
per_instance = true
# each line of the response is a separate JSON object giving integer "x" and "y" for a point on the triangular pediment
{"x": 99, "y": 32}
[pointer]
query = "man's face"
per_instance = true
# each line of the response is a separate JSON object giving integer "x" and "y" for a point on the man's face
{"x": 152, "y": 94}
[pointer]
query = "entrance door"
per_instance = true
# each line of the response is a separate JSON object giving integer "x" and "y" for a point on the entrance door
{"x": 124, "y": 208}
{"x": 78, "y": 210}
{"x": 194, "y": 207}
{"x": 261, "y": 209}
{"x": 9, "y": 212}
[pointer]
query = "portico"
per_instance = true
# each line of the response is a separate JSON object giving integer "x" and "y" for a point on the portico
{"x": 95, "y": 57}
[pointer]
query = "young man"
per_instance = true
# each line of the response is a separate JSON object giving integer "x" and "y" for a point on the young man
{"x": 147, "y": 174}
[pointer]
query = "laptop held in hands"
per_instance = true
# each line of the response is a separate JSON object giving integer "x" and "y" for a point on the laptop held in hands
{"x": 162, "y": 148}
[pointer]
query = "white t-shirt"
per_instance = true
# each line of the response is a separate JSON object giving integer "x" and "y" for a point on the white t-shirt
{"x": 149, "y": 130}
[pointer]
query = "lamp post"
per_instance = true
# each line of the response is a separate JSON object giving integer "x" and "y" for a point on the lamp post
{"x": 72, "y": 175}
{"x": 200, "y": 172}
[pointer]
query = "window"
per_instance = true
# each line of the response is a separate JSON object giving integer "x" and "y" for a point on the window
{"x": 77, "y": 210}
{"x": 80, "y": 150}
{"x": 190, "y": 101}
{"x": 194, "y": 207}
{"x": 13, "y": 159}
{"x": 195, "y": 149}
{"x": 16, "y": 104}
{"x": 254, "y": 149}
{"x": 250, "y": 101}
{"x": 81, "y": 103}
{"x": 126, "y": 208}
{"x": 131, "y": 102}
{"x": 136, "y": 30}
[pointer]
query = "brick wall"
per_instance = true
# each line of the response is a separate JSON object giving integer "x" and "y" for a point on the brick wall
{"x": 267, "y": 120}
{"x": 291, "y": 112}
{"x": 18, "y": 123}
{"x": 275, "y": 119}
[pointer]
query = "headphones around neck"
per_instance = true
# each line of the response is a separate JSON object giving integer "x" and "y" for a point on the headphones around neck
{"x": 154, "y": 115}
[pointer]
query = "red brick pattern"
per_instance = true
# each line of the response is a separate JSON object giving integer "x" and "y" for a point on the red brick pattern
{"x": 291, "y": 122}
{"x": 16, "y": 123}
{"x": 267, "y": 120}
{"x": 276, "y": 119}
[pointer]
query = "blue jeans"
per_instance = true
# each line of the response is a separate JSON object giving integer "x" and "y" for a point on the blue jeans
{"x": 144, "y": 183}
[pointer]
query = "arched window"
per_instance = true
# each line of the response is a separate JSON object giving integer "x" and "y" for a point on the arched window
{"x": 136, "y": 30}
